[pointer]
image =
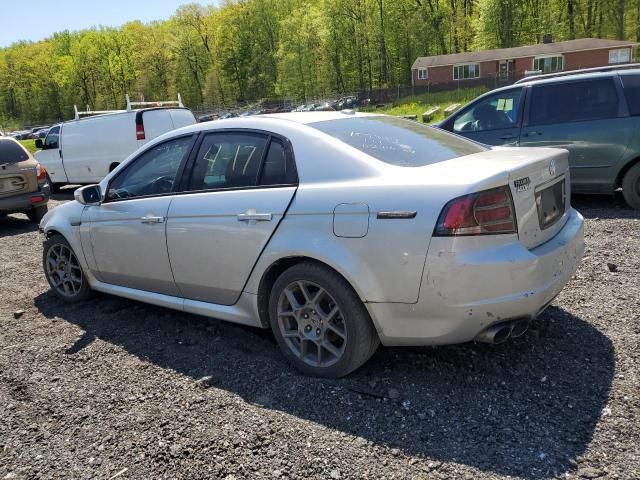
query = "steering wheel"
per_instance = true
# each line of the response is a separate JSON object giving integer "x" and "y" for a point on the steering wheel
{"x": 162, "y": 184}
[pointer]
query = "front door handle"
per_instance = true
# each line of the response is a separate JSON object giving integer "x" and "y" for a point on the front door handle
{"x": 251, "y": 214}
{"x": 152, "y": 219}
{"x": 532, "y": 134}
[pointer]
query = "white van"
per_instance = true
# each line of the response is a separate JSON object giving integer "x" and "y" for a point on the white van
{"x": 86, "y": 149}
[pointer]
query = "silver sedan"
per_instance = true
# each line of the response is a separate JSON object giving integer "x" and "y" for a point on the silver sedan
{"x": 336, "y": 230}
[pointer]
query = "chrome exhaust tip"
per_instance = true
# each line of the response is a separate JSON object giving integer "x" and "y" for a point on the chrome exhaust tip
{"x": 495, "y": 334}
{"x": 519, "y": 328}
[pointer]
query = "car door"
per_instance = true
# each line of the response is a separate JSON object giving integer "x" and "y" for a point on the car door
{"x": 237, "y": 192}
{"x": 587, "y": 118}
{"x": 128, "y": 229}
{"x": 51, "y": 155}
{"x": 494, "y": 119}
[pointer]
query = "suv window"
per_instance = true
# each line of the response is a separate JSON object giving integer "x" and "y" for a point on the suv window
{"x": 399, "y": 142}
{"x": 51, "y": 141}
{"x": 278, "y": 168}
{"x": 12, "y": 152}
{"x": 228, "y": 160}
{"x": 631, "y": 85}
{"x": 152, "y": 173}
{"x": 498, "y": 111}
{"x": 573, "y": 102}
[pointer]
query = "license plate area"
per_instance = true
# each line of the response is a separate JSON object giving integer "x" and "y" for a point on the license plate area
{"x": 551, "y": 200}
{"x": 12, "y": 184}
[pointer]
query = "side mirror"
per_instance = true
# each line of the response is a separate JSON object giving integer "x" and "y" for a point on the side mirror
{"x": 39, "y": 144}
{"x": 89, "y": 195}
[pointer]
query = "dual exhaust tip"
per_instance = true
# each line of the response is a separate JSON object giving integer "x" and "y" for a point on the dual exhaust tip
{"x": 501, "y": 332}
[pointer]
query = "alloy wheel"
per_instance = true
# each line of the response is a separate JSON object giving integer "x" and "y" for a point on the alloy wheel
{"x": 63, "y": 270}
{"x": 311, "y": 324}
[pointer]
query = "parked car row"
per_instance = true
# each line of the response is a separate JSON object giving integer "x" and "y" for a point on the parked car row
{"x": 33, "y": 133}
{"x": 342, "y": 230}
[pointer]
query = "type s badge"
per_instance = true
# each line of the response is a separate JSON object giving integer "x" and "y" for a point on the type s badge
{"x": 522, "y": 184}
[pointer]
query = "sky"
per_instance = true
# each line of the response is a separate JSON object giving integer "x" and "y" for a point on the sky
{"x": 38, "y": 19}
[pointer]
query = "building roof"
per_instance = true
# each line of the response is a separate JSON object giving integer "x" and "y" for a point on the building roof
{"x": 520, "y": 52}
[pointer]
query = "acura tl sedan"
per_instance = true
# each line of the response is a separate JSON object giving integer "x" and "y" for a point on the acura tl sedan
{"x": 338, "y": 231}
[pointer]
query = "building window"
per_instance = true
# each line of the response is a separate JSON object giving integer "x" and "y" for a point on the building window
{"x": 620, "y": 55}
{"x": 548, "y": 64}
{"x": 468, "y": 70}
{"x": 423, "y": 74}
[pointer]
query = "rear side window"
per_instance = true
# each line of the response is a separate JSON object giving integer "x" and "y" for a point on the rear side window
{"x": 278, "y": 168}
{"x": 399, "y": 142}
{"x": 573, "y": 102}
{"x": 12, "y": 152}
{"x": 227, "y": 160}
{"x": 631, "y": 85}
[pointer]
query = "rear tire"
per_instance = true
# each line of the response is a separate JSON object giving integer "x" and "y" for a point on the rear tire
{"x": 631, "y": 187}
{"x": 321, "y": 325}
{"x": 63, "y": 270}
{"x": 36, "y": 213}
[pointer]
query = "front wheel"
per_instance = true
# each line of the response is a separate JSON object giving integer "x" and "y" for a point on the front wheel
{"x": 320, "y": 324}
{"x": 63, "y": 270}
{"x": 631, "y": 187}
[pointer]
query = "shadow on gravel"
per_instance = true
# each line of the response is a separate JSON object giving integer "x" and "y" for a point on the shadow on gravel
{"x": 603, "y": 206}
{"x": 525, "y": 408}
{"x": 16, "y": 225}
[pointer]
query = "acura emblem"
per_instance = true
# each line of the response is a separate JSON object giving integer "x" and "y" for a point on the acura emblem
{"x": 552, "y": 168}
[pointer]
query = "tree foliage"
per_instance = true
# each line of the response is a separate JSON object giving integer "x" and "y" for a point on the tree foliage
{"x": 251, "y": 49}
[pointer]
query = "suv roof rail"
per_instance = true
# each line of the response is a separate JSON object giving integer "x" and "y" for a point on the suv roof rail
{"x": 168, "y": 103}
{"x": 568, "y": 73}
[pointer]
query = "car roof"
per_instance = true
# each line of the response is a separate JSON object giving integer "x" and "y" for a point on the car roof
{"x": 576, "y": 76}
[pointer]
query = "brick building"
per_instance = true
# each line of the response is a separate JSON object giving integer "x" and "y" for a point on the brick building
{"x": 509, "y": 64}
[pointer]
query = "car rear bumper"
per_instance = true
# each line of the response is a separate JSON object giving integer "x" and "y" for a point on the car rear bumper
{"x": 470, "y": 283}
{"x": 22, "y": 202}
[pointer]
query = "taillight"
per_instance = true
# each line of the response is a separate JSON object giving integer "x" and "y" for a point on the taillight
{"x": 41, "y": 173}
{"x": 140, "y": 131}
{"x": 482, "y": 213}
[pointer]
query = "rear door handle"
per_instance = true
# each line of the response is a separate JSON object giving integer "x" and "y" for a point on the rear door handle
{"x": 152, "y": 219}
{"x": 251, "y": 214}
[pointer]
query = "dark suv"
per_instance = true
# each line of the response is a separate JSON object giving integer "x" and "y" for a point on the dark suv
{"x": 595, "y": 116}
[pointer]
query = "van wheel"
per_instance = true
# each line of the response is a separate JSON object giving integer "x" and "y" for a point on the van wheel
{"x": 55, "y": 188}
{"x": 320, "y": 324}
{"x": 63, "y": 270}
{"x": 36, "y": 213}
{"x": 631, "y": 187}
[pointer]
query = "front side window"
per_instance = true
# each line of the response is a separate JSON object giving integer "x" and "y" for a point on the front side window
{"x": 152, "y": 173}
{"x": 51, "y": 141}
{"x": 422, "y": 74}
{"x": 498, "y": 111}
{"x": 468, "y": 70}
{"x": 573, "y": 102}
{"x": 620, "y": 55}
{"x": 228, "y": 160}
{"x": 548, "y": 64}
{"x": 399, "y": 142}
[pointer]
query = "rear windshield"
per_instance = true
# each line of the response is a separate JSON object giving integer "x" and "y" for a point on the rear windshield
{"x": 12, "y": 152}
{"x": 396, "y": 141}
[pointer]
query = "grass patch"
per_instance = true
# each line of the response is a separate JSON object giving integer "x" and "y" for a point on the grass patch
{"x": 418, "y": 104}
{"x": 29, "y": 145}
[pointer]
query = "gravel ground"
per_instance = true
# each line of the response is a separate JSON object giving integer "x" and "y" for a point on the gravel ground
{"x": 118, "y": 389}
